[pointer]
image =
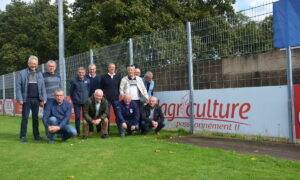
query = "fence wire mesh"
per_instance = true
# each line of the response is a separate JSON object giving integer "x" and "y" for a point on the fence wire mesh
{"x": 72, "y": 64}
{"x": 165, "y": 55}
{"x": 116, "y": 53}
{"x": 9, "y": 86}
{"x": 228, "y": 51}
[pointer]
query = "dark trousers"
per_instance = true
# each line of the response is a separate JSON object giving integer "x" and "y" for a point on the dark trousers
{"x": 129, "y": 124}
{"x": 77, "y": 108}
{"x": 114, "y": 104}
{"x": 147, "y": 126}
{"x": 33, "y": 105}
{"x": 45, "y": 106}
{"x": 140, "y": 106}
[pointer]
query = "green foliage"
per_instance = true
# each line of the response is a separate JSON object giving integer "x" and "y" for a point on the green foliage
{"x": 132, "y": 157}
{"x": 27, "y": 29}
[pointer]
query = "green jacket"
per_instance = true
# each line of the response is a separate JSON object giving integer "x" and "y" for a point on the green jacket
{"x": 89, "y": 110}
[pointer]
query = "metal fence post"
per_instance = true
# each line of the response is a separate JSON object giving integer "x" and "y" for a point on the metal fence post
{"x": 131, "y": 51}
{"x": 62, "y": 64}
{"x": 3, "y": 94}
{"x": 91, "y": 56}
{"x": 292, "y": 138}
{"x": 14, "y": 90}
{"x": 191, "y": 79}
{"x": 43, "y": 68}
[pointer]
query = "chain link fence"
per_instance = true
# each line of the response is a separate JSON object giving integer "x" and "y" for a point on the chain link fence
{"x": 228, "y": 51}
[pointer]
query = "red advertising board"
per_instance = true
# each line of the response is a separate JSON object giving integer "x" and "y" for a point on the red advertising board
{"x": 1, "y": 110}
{"x": 297, "y": 110}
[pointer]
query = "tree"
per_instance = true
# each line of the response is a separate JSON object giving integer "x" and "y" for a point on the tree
{"x": 27, "y": 29}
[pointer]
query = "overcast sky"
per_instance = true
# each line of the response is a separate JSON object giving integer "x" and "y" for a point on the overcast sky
{"x": 239, "y": 5}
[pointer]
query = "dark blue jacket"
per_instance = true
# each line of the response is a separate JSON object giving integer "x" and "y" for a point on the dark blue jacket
{"x": 79, "y": 90}
{"x": 61, "y": 112}
{"x": 130, "y": 113}
{"x": 94, "y": 83}
{"x": 110, "y": 87}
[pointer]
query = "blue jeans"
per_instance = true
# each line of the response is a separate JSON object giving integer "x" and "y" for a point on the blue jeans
{"x": 77, "y": 108}
{"x": 33, "y": 105}
{"x": 66, "y": 131}
{"x": 129, "y": 124}
{"x": 147, "y": 126}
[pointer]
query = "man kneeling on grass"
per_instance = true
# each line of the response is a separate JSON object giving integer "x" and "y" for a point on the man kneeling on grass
{"x": 152, "y": 117}
{"x": 57, "y": 116}
{"x": 95, "y": 113}
{"x": 128, "y": 115}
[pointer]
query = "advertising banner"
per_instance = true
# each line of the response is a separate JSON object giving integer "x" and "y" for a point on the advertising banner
{"x": 259, "y": 111}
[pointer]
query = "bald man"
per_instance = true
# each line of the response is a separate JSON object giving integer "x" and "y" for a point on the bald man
{"x": 95, "y": 113}
{"x": 128, "y": 115}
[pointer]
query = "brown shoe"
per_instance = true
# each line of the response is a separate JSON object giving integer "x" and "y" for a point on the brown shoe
{"x": 91, "y": 133}
{"x": 157, "y": 133}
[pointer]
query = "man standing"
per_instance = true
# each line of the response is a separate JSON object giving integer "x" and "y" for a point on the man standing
{"x": 134, "y": 86}
{"x": 110, "y": 84}
{"x": 95, "y": 81}
{"x": 52, "y": 79}
{"x": 57, "y": 116}
{"x": 152, "y": 117}
{"x": 128, "y": 115}
{"x": 52, "y": 82}
{"x": 30, "y": 93}
{"x": 138, "y": 72}
{"x": 149, "y": 83}
{"x": 79, "y": 92}
{"x": 95, "y": 112}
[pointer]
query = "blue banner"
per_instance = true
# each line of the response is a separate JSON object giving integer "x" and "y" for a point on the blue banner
{"x": 286, "y": 19}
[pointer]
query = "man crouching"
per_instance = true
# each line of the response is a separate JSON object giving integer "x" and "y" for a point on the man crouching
{"x": 95, "y": 112}
{"x": 152, "y": 117}
{"x": 57, "y": 117}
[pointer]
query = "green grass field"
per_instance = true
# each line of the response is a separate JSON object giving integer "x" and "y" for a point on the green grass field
{"x": 132, "y": 157}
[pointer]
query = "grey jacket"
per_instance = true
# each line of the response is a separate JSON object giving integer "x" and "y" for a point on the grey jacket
{"x": 22, "y": 86}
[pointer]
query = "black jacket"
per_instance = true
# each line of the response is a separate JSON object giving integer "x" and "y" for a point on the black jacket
{"x": 158, "y": 114}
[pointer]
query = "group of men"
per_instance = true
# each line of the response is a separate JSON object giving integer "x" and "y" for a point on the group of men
{"x": 91, "y": 95}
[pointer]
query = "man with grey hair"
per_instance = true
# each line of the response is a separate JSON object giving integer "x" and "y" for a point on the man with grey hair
{"x": 128, "y": 115}
{"x": 57, "y": 117}
{"x": 52, "y": 79}
{"x": 79, "y": 93}
{"x": 95, "y": 113}
{"x": 95, "y": 81}
{"x": 30, "y": 93}
{"x": 52, "y": 83}
{"x": 152, "y": 117}
{"x": 149, "y": 83}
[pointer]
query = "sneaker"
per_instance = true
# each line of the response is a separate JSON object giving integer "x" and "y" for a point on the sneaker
{"x": 23, "y": 139}
{"x": 104, "y": 136}
{"x": 39, "y": 139}
{"x": 122, "y": 135}
{"x": 84, "y": 138}
{"x": 91, "y": 133}
{"x": 157, "y": 133}
{"x": 51, "y": 142}
{"x": 132, "y": 132}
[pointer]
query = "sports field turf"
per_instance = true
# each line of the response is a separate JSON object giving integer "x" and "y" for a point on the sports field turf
{"x": 133, "y": 157}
